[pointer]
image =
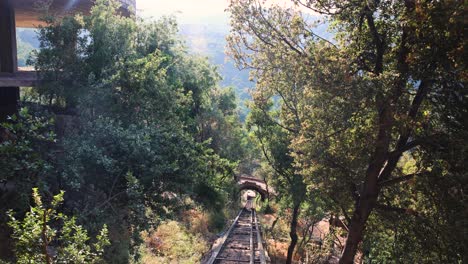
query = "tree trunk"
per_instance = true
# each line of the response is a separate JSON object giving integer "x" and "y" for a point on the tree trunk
{"x": 293, "y": 233}
{"x": 381, "y": 166}
{"x": 45, "y": 243}
{"x": 358, "y": 222}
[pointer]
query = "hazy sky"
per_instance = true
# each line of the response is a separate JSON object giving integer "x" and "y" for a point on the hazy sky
{"x": 187, "y": 11}
{"x": 192, "y": 11}
{"x": 204, "y": 16}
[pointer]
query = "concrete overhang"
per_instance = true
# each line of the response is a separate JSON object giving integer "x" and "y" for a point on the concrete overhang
{"x": 19, "y": 79}
{"x": 27, "y": 12}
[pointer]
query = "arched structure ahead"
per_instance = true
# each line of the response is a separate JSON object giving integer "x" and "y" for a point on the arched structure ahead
{"x": 249, "y": 183}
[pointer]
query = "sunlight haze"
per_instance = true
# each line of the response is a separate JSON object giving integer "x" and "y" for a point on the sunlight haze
{"x": 196, "y": 11}
{"x": 187, "y": 11}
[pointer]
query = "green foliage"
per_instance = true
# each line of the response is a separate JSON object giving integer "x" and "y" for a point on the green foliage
{"x": 217, "y": 220}
{"x": 143, "y": 125}
{"x": 23, "y": 155}
{"x": 59, "y": 60}
{"x": 371, "y": 115}
{"x": 38, "y": 238}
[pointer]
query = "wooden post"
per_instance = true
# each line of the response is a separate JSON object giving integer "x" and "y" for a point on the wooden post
{"x": 9, "y": 96}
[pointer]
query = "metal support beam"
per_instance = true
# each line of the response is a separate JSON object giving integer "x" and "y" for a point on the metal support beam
{"x": 9, "y": 96}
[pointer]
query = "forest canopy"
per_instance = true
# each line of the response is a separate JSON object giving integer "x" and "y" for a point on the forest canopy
{"x": 128, "y": 150}
{"x": 372, "y": 122}
{"x": 130, "y": 126}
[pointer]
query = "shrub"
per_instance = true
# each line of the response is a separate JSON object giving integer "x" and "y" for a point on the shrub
{"x": 38, "y": 238}
{"x": 173, "y": 243}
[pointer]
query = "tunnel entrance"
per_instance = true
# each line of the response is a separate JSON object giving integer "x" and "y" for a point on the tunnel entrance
{"x": 253, "y": 184}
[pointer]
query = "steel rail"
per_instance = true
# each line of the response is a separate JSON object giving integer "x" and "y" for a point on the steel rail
{"x": 223, "y": 240}
{"x": 248, "y": 226}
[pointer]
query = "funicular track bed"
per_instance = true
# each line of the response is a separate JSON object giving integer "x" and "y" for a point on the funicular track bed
{"x": 242, "y": 243}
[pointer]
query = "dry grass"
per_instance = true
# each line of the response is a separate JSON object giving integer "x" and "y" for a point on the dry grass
{"x": 172, "y": 243}
{"x": 197, "y": 222}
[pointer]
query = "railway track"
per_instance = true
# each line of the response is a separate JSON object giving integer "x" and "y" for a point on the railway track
{"x": 242, "y": 243}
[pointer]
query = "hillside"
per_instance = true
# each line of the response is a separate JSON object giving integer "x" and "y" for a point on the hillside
{"x": 133, "y": 146}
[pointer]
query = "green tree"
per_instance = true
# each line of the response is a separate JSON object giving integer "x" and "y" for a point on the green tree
{"x": 141, "y": 106}
{"x": 381, "y": 89}
{"x": 274, "y": 142}
{"x": 25, "y": 159}
{"x": 23, "y": 156}
{"x": 220, "y": 124}
{"x": 38, "y": 239}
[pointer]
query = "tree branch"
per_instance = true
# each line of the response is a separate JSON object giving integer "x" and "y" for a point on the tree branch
{"x": 399, "y": 210}
{"x": 277, "y": 123}
{"x": 278, "y": 170}
{"x": 345, "y": 214}
{"x": 377, "y": 39}
{"x": 402, "y": 143}
{"x": 397, "y": 180}
{"x": 281, "y": 36}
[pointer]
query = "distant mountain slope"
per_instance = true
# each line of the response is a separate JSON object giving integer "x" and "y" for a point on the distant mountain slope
{"x": 210, "y": 41}
{"x": 27, "y": 41}
{"x": 206, "y": 40}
